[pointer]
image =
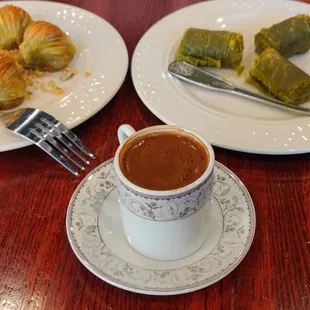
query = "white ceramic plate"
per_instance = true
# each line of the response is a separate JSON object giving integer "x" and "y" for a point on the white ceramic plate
{"x": 102, "y": 248}
{"x": 101, "y": 51}
{"x": 223, "y": 119}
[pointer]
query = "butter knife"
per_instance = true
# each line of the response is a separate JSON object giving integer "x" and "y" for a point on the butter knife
{"x": 200, "y": 77}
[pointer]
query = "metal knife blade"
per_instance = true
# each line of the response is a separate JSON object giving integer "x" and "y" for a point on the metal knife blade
{"x": 203, "y": 78}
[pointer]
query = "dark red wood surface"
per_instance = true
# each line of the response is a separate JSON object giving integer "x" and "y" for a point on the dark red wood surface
{"x": 38, "y": 269}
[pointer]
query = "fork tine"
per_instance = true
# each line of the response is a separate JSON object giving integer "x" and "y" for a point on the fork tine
{"x": 38, "y": 126}
{"x": 69, "y": 135}
{"x": 57, "y": 145}
{"x": 72, "y": 148}
{"x": 51, "y": 151}
{"x": 57, "y": 133}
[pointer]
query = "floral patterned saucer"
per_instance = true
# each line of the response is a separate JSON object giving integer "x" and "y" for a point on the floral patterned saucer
{"x": 101, "y": 247}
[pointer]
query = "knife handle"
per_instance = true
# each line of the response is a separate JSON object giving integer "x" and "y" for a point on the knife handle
{"x": 197, "y": 76}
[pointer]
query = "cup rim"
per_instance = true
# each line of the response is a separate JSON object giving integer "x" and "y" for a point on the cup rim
{"x": 164, "y": 193}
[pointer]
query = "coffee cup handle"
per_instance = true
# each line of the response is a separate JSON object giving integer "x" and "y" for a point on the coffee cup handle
{"x": 123, "y": 132}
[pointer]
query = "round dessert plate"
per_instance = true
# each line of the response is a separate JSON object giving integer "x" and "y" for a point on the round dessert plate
{"x": 225, "y": 120}
{"x": 101, "y": 63}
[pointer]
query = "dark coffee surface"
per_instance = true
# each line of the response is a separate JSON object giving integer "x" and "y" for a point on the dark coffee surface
{"x": 163, "y": 161}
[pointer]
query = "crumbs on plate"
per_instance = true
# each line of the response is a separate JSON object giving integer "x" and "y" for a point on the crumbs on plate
{"x": 51, "y": 88}
{"x": 29, "y": 94}
{"x": 67, "y": 74}
{"x": 31, "y": 76}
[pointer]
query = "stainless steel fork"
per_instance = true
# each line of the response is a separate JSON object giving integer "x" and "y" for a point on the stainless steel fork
{"x": 50, "y": 135}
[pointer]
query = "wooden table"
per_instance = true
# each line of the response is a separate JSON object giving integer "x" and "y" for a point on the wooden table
{"x": 38, "y": 269}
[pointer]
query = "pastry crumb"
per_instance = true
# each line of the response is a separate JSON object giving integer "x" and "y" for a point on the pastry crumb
{"x": 51, "y": 83}
{"x": 42, "y": 87}
{"x": 68, "y": 73}
{"x": 29, "y": 94}
{"x": 31, "y": 75}
{"x": 86, "y": 74}
{"x": 57, "y": 91}
{"x": 72, "y": 70}
{"x": 53, "y": 88}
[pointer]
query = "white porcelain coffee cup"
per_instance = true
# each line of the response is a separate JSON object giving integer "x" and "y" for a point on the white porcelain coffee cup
{"x": 169, "y": 224}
